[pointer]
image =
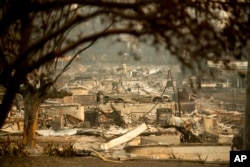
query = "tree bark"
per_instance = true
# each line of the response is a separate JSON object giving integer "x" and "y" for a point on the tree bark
{"x": 246, "y": 133}
{"x": 32, "y": 106}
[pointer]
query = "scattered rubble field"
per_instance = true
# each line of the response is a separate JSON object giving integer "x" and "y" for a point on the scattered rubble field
{"x": 210, "y": 120}
{"x": 45, "y": 161}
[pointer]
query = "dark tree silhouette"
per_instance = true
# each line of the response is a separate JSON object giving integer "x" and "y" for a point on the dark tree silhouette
{"x": 192, "y": 30}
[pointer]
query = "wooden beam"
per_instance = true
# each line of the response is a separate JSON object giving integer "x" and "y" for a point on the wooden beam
{"x": 124, "y": 138}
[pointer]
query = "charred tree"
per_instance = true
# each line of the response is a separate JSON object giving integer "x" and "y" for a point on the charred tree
{"x": 246, "y": 128}
{"x": 31, "y": 108}
{"x": 33, "y": 98}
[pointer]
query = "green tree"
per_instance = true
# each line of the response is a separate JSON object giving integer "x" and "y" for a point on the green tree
{"x": 202, "y": 29}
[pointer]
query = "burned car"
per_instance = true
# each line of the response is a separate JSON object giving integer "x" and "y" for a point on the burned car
{"x": 134, "y": 97}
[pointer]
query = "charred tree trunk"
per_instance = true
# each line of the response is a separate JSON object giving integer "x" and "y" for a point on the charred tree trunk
{"x": 32, "y": 107}
{"x": 246, "y": 133}
{"x": 33, "y": 98}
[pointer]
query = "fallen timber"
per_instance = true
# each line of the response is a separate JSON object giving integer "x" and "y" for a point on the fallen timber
{"x": 125, "y": 138}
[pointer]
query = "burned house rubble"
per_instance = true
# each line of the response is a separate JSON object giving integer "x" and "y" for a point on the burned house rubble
{"x": 145, "y": 113}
